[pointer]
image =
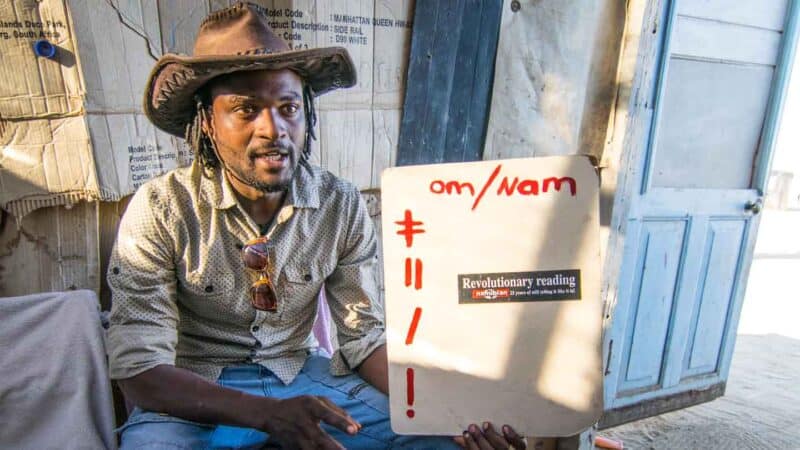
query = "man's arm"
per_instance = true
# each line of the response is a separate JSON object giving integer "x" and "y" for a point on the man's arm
{"x": 375, "y": 369}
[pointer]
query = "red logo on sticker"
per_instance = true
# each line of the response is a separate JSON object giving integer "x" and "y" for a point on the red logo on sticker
{"x": 491, "y": 294}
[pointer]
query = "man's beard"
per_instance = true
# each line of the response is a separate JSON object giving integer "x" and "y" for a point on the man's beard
{"x": 266, "y": 187}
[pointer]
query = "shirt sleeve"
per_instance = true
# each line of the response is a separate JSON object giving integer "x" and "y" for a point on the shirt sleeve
{"x": 141, "y": 274}
{"x": 352, "y": 293}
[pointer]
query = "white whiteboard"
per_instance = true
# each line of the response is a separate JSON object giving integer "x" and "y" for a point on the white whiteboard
{"x": 493, "y": 309}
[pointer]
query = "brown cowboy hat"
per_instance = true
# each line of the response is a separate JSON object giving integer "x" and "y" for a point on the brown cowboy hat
{"x": 232, "y": 40}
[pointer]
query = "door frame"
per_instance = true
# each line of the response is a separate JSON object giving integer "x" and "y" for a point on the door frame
{"x": 643, "y": 105}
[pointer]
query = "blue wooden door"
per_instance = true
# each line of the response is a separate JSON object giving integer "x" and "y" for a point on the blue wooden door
{"x": 693, "y": 215}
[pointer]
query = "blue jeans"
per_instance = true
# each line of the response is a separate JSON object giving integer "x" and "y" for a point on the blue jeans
{"x": 149, "y": 430}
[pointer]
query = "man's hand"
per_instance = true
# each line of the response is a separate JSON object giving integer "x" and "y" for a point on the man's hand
{"x": 295, "y": 422}
{"x": 488, "y": 438}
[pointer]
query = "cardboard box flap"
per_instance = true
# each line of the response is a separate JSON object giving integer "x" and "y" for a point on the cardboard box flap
{"x": 45, "y": 162}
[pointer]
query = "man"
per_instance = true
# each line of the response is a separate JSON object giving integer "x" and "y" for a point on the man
{"x": 217, "y": 267}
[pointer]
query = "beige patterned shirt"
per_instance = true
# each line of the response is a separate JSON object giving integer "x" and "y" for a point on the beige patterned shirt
{"x": 181, "y": 292}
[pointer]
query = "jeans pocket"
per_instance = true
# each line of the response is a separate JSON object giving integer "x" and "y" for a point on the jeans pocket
{"x": 317, "y": 368}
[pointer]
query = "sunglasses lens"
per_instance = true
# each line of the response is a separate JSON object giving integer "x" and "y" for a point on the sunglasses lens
{"x": 255, "y": 258}
{"x": 263, "y": 296}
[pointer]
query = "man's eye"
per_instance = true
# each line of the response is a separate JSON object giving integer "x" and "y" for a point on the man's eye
{"x": 291, "y": 109}
{"x": 246, "y": 109}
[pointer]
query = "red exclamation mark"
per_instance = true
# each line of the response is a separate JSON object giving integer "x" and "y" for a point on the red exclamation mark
{"x": 410, "y": 392}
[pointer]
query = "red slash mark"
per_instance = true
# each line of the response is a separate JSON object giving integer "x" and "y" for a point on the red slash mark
{"x": 409, "y": 229}
{"x": 486, "y": 186}
{"x": 410, "y": 392}
{"x": 412, "y": 330}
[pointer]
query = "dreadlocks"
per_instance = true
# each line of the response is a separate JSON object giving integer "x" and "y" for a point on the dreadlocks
{"x": 202, "y": 146}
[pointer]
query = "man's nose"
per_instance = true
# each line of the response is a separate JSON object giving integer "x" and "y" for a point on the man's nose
{"x": 270, "y": 125}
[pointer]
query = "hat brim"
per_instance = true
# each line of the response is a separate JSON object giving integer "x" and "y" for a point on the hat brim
{"x": 169, "y": 96}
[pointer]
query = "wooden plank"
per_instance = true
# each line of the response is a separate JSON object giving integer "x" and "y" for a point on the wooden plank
{"x": 661, "y": 405}
{"x": 53, "y": 249}
{"x": 422, "y": 130}
{"x": 446, "y": 107}
{"x": 470, "y": 92}
{"x": 621, "y": 159}
{"x": 718, "y": 41}
{"x": 767, "y": 14}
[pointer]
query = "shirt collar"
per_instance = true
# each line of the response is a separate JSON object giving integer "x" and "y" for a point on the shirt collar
{"x": 217, "y": 190}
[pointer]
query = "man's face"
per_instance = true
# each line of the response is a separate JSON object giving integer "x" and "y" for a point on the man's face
{"x": 258, "y": 125}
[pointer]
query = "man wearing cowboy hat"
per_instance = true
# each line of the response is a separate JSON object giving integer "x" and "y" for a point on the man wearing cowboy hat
{"x": 217, "y": 267}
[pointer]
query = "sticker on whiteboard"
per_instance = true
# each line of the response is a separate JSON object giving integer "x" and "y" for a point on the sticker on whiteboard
{"x": 504, "y": 287}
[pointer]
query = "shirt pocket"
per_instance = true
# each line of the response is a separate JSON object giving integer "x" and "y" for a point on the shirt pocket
{"x": 210, "y": 294}
{"x": 299, "y": 287}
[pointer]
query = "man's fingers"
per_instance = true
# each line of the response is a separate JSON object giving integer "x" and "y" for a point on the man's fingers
{"x": 332, "y": 405}
{"x": 336, "y": 419}
{"x": 470, "y": 443}
{"x": 342, "y": 412}
{"x": 494, "y": 438}
{"x": 460, "y": 441}
{"x": 478, "y": 437}
{"x": 513, "y": 438}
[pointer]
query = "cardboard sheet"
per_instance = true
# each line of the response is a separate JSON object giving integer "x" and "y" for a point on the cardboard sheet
{"x": 94, "y": 84}
{"x": 492, "y": 279}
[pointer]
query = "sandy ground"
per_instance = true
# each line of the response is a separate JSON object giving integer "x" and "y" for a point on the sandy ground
{"x": 760, "y": 409}
{"x": 761, "y": 406}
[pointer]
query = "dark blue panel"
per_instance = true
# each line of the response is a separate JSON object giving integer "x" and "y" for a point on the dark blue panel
{"x": 449, "y": 83}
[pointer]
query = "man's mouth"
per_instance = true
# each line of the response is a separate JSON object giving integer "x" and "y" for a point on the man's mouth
{"x": 273, "y": 159}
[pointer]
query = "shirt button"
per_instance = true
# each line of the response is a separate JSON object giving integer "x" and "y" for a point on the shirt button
{"x": 255, "y": 328}
{"x": 307, "y": 277}
{"x": 209, "y": 288}
{"x": 115, "y": 270}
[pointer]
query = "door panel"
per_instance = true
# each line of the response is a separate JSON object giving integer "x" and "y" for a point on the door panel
{"x": 710, "y": 315}
{"x": 768, "y": 14}
{"x": 720, "y": 41}
{"x": 661, "y": 248}
{"x": 691, "y": 224}
{"x": 710, "y": 124}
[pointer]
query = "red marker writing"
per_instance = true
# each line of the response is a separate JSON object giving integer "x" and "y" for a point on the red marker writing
{"x": 410, "y": 391}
